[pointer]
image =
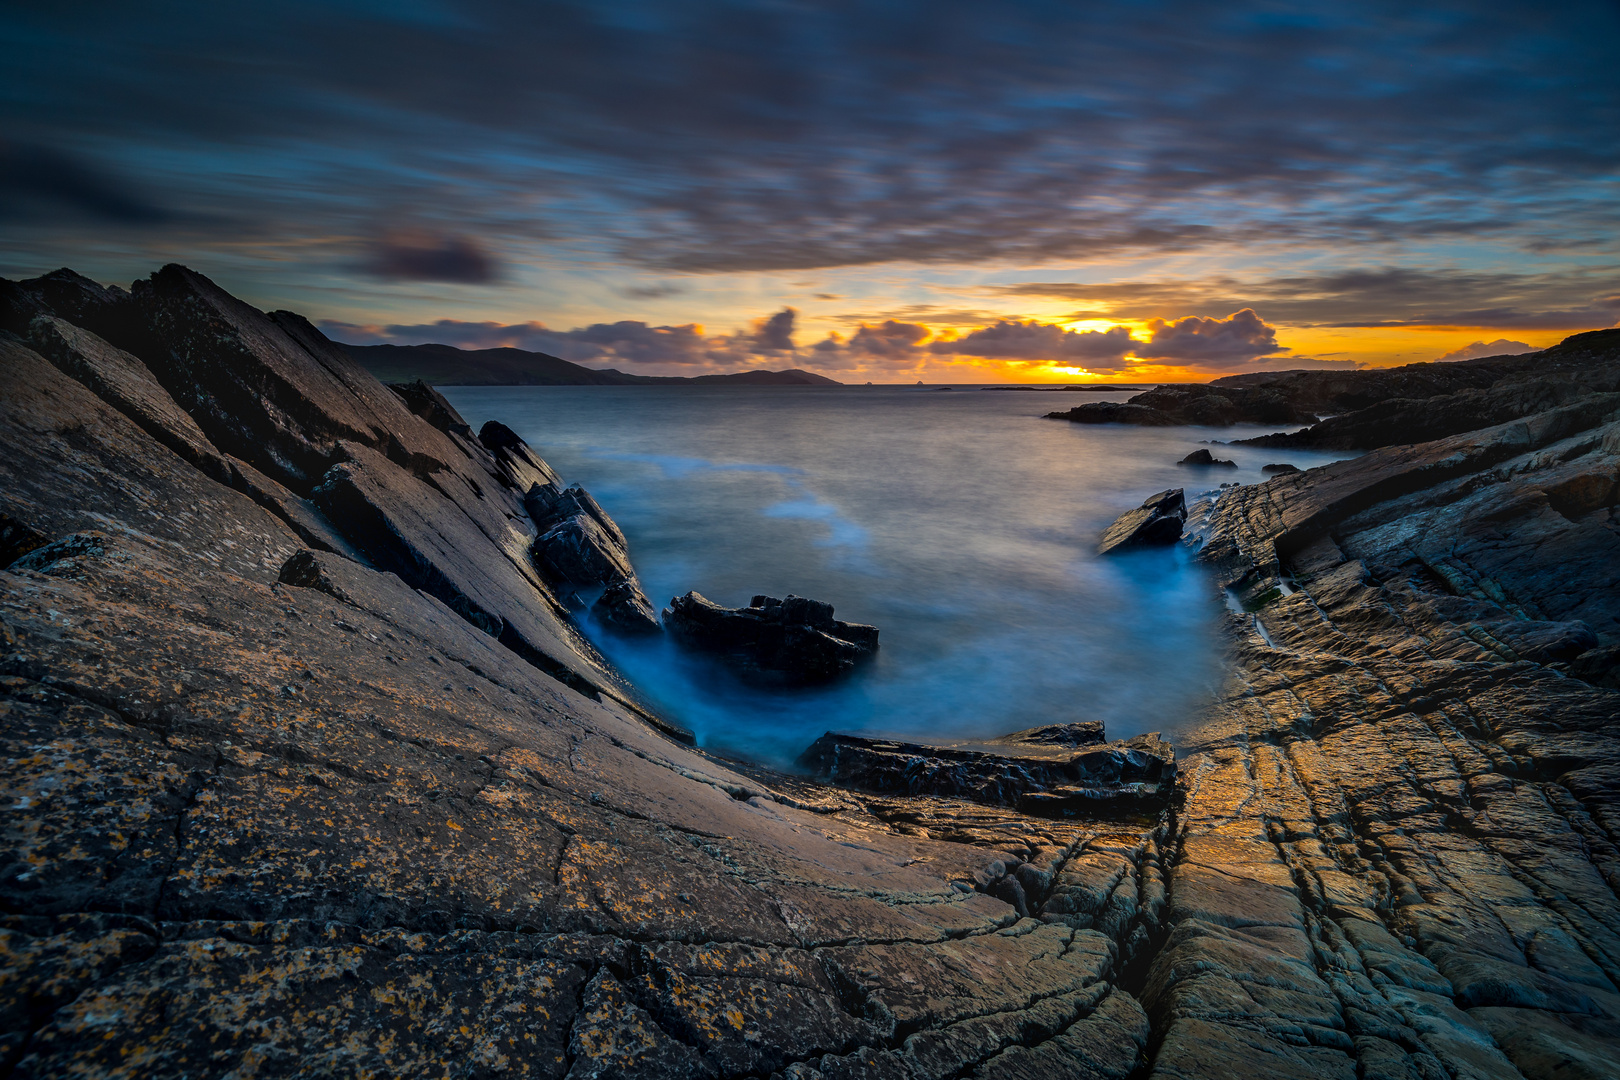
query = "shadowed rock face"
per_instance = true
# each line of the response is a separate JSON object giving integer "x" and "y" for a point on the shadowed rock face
{"x": 283, "y": 809}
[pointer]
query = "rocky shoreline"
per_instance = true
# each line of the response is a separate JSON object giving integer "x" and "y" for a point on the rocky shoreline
{"x": 310, "y": 772}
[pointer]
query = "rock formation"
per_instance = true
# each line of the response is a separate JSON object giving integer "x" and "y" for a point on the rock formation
{"x": 796, "y": 640}
{"x": 1156, "y": 523}
{"x": 310, "y": 773}
{"x": 1061, "y": 770}
{"x": 1204, "y": 457}
{"x": 1364, "y": 410}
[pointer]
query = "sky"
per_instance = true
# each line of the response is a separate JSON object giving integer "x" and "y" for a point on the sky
{"x": 876, "y": 190}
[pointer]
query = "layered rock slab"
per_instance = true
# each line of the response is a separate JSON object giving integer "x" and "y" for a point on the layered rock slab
{"x": 1388, "y": 859}
{"x": 1057, "y": 770}
{"x": 279, "y": 810}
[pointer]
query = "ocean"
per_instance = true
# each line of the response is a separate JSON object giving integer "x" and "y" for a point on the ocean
{"x": 960, "y": 522}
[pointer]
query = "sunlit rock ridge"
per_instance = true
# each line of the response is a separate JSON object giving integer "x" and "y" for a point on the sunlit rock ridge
{"x": 310, "y": 773}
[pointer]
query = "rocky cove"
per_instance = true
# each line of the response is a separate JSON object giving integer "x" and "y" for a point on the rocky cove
{"x": 311, "y": 772}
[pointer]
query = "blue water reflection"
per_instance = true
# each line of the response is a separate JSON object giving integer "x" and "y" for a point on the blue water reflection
{"x": 961, "y": 523}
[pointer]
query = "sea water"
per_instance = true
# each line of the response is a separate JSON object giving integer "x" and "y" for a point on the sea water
{"x": 960, "y": 522}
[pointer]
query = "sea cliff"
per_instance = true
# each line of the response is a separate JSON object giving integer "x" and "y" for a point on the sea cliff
{"x": 310, "y": 772}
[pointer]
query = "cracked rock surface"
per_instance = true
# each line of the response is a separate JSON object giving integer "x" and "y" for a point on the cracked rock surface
{"x": 307, "y": 772}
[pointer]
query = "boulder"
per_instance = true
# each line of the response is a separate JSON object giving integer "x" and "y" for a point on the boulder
{"x": 580, "y": 551}
{"x": 1056, "y": 771}
{"x": 795, "y": 640}
{"x": 1156, "y": 523}
{"x": 624, "y": 609}
{"x": 1204, "y": 457}
{"x": 1280, "y": 468}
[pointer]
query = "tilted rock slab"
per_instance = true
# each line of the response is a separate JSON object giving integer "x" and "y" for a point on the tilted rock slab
{"x": 285, "y": 810}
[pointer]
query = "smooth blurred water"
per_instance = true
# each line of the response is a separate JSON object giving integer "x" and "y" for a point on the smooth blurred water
{"x": 961, "y": 523}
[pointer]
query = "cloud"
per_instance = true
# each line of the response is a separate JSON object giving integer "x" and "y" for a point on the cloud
{"x": 774, "y": 333}
{"x": 705, "y": 135}
{"x": 457, "y": 259}
{"x": 628, "y": 341}
{"x": 1499, "y": 347}
{"x": 1362, "y": 297}
{"x": 39, "y": 184}
{"x": 1047, "y": 342}
{"x": 1240, "y": 337}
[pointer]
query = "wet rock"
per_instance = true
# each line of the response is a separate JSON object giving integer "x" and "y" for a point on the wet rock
{"x": 624, "y": 609}
{"x": 1204, "y": 457}
{"x": 1280, "y": 469}
{"x": 1053, "y": 773}
{"x": 1156, "y": 523}
{"x": 795, "y": 640}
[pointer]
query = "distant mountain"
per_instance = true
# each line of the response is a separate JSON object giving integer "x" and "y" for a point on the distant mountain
{"x": 446, "y": 365}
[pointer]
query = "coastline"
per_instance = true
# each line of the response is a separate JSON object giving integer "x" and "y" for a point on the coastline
{"x": 370, "y": 823}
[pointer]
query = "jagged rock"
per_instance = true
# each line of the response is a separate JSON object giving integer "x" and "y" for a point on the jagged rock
{"x": 1204, "y": 457}
{"x": 582, "y": 546}
{"x": 1046, "y": 771}
{"x": 624, "y": 609}
{"x": 127, "y": 385}
{"x": 794, "y": 640}
{"x": 1280, "y": 469}
{"x": 430, "y": 405}
{"x": 521, "y": 469}
{"x": 1156, "y": 523}
{"x": 1413, "y": 406}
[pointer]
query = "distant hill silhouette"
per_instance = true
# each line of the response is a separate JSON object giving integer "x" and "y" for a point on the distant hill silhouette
{"x": 446, "y": 365}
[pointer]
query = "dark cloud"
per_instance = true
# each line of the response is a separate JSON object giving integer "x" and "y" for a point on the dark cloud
{"x": 890, "y": 339}
{"x": 653, "y": 292}
{"x": 1388, "y": 296}
{"x": 716, "y": 135}
{"x": 43, "y": 185}
{"x": 1241, "y": 336}
{"x": 1499, "y": 347}
{"x": 628, "y": 341}
{"x": 775, "y": 332}
{"x": 1031, "y": 340}
{"x": 457, "y": 259}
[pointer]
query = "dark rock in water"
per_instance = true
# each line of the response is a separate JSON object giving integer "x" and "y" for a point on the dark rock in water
{"x": 1156, "y": 523}
{"x": 581, "y": 545}
{"x": 580, "y": 551}
{"x": 1047, "y": 771}
{"x": 1204, "y": 457}
{"x": 625, "y": 609}
{"x": 1280, "y": 468}
{"x": 796, "y": 640}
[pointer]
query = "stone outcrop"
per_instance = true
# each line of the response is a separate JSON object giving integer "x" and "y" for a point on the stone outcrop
{"x": 1363, "y": 410}
{"x": 289, "y": 810}
{"x": 283, "y": 799}
{"x": 1204, "y": 457}
{"x": 1397, "y": 848}
{"x": 1060, "y": 770}
{"x": 1156, "y": 523}
{"x": 1192, "y": 403}
{"x": 795, "y": 640}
